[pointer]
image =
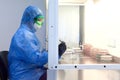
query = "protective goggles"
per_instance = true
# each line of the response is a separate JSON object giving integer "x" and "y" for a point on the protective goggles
{"x": 39, "y": 20}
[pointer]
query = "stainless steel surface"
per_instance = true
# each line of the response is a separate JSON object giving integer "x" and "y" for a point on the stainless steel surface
{"x": 91, "y": 74}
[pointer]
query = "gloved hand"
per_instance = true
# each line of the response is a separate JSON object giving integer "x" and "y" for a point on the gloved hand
{"x": 62, "y": 48}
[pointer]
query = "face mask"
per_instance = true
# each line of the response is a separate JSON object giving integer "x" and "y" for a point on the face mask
{"x": 36, "y": 26}
{"x": 38, "y": 22}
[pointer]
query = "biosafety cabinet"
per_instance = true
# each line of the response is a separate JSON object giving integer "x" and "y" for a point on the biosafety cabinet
{"x": 90, "y": 47}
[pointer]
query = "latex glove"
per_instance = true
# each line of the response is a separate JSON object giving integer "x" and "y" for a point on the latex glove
{"x": 62, "y": 48}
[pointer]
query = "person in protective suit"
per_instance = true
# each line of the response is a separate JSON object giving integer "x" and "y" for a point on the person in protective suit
{"x": 25, "y": 60}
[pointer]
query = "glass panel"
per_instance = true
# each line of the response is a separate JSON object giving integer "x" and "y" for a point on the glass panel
{"x": 68, "y": 26}
{"x": 90, "y": 33}
{"x": 88, "y": 75}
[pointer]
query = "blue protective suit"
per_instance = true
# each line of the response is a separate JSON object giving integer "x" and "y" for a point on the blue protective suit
{"x": 25, "y": 60}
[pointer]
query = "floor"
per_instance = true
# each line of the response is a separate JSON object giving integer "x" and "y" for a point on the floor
{"x": 85, "y": 74}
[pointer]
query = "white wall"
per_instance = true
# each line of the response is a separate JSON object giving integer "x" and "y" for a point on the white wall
{"x": 102, "y": 25}
{"x": 10, "y": 17}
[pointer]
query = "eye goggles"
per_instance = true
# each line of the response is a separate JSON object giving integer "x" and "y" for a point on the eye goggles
{"x": 39, "y": 20}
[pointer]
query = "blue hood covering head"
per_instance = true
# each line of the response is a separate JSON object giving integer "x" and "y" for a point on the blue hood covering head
{"x": 28, "y": 16}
